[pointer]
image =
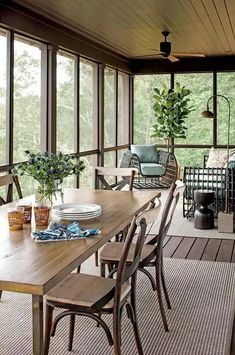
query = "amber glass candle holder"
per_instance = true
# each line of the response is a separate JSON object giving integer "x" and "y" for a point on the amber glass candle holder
{"x": 27, "y": 213}
{"x": 42, "y": 214}
{"x": 16, "y": 218}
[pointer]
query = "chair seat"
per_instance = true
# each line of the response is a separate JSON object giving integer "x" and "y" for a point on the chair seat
{"x": 113, "y": 251}
{"x": 84, "y": 290}
{"x": 152, "y": 169}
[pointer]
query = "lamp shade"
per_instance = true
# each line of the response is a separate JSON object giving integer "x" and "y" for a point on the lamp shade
{"x": 207, "y": 114}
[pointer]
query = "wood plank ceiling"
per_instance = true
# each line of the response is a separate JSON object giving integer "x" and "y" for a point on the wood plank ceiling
{"x": 133, "y": 27}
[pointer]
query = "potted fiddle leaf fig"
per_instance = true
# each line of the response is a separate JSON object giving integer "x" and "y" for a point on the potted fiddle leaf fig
{"x": 171, "y": 108}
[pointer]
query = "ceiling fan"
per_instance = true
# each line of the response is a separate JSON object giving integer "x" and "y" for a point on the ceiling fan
{"x": 165, "y": 51}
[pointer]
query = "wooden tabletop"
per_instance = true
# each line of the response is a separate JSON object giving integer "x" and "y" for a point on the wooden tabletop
{"x": 31, "y": 267}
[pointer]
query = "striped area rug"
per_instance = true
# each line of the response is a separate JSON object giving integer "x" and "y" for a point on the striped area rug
{"x": 202, "y": 296}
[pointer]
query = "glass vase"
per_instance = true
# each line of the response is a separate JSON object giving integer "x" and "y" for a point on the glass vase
{"x": 50, "y": 194}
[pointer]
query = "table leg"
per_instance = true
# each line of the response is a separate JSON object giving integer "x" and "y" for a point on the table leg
{"x": 0, "y": 294}
{"x": 37, "y": 309}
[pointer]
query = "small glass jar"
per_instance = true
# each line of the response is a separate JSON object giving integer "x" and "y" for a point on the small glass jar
{"x": 27, "y": 212}
{"x": 42, "y": 215}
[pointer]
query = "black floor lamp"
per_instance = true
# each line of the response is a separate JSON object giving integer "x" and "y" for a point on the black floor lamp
{"x": 225, "y": 219}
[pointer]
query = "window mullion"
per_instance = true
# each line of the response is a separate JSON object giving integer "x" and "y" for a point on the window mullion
{"x": 10, "y": 97}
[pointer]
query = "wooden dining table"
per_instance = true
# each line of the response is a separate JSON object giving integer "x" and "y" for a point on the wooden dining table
{"x": 34, "y": 268}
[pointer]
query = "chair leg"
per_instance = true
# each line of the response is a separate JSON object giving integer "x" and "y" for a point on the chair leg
{"x": 110, "y": 267}
{"x": 117, "y": 332}
{"x": 79, "y": 269}
{"x": 71, "y": 331}
{"x": 0, "y": 295}
{"x": 102, "y": 269}
{"x": 164, "y": 288}
{"x": 48, "y": 323}
{"x": 96, "y": 258}
{"x": 131, "y": 313}
{"x": 159, "y": 294}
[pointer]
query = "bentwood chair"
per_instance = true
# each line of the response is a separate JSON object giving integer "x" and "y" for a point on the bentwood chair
{"x": 122, "y": 176}
{"x": 9, "y": 181}
{"x": 94, "y": 296}
{"x": 152, "y": 253}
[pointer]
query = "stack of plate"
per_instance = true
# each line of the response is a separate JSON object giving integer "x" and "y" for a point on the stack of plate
{"x": 74, "y": 211}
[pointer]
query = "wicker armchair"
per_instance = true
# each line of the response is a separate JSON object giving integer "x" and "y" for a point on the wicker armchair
{"x": 159, "y": 173}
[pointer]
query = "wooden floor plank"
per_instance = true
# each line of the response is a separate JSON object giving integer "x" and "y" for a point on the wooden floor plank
{"x": 211, "y": 250}
{"x": 166, "y": 239}
{"x": 197, "y": 249}
{"x": 151, "y": 236}
{"x": 184, "y": 248}
{"x": 171, "y": 246}
{"x": 225, "y": 251}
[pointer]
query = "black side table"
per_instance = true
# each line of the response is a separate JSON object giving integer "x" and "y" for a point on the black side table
{"x": 203, "y": 216}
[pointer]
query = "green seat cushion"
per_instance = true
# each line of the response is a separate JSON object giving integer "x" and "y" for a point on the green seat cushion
{"x": 147, "y": 153}
{"x": 152, "y": 169}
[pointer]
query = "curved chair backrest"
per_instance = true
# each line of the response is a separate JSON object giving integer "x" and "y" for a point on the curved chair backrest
{"x": 127, "y": 175}
{"x": 124, "y": 273}
{"x": 176, "y": 191}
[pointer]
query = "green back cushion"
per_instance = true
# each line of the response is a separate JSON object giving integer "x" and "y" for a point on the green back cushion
{"x": 231, "y": 164}
{"x": 147, "y": 153}
{"x": 231, "y": 161}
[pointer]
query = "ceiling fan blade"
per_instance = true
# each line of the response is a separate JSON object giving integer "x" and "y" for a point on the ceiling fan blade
{"x": 155, "y": 50}
{"x": 172, "y": 58}
{"x": 147, "y": 56}
{"x": 179, "y": 54}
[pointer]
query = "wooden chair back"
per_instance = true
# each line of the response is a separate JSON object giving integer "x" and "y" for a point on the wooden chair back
{"x": 101, "y": 174}
{"x": 176, "y": 191}
{"x": 8, "y": 181}
{"x": 125, "y": 272}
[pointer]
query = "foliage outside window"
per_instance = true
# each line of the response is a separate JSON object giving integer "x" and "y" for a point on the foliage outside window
{"x": 27, "y": 96}
{"x": 226, "y": 87}
{"x": 109, "y": 107}
{"x": 88, "y": 106}
{"x": 65, "y": 86}
{"x": 190, "y": 157}
{"x": 143, "y": 106}
{"x": 86, "y": 179}
{"x": 123, "y": 108}
{"x": 199, "y": 130}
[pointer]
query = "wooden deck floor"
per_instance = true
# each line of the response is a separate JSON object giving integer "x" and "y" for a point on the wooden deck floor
{"x": 202, "y": 249}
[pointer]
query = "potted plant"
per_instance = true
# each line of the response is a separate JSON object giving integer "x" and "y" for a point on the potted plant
{"x": 171, "y": 108}
{"x": 49, "y": 170}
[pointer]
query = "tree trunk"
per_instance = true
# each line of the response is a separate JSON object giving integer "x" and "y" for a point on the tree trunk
{"x": 171, "y": 145}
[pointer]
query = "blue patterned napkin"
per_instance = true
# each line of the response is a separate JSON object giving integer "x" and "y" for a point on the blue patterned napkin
{"x": 57, "y": 232}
